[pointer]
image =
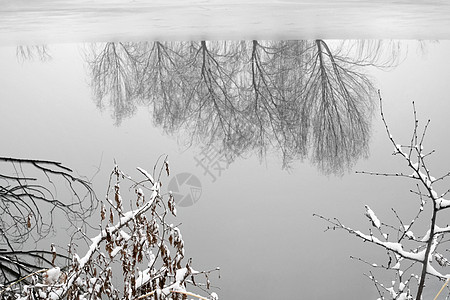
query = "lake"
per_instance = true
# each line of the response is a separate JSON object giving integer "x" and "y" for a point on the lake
{"x": 254, "y": 218}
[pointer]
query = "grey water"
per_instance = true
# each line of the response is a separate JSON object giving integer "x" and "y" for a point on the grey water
{"x": 253, "y": 219}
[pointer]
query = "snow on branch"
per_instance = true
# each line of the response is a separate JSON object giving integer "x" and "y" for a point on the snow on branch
{"x": 372, "y": 217}
{"x": 396, "y": 248}
{"x": 404, "y": 250}
{"x": 149, "y": 250}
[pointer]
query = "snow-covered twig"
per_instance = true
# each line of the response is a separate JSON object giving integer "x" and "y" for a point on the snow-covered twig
{"x": 129, "y": 237}
{"x": 425, "y": 248}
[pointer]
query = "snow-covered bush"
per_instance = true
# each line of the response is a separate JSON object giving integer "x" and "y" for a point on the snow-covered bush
{"x": 414, "y": 254}
{"x": 137, "y": 253}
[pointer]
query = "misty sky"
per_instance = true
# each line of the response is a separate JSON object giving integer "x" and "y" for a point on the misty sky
{"x": 104, "y": 20}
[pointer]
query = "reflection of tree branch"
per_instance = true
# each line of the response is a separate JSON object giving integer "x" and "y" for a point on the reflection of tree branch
{"x": 29, "y": 53}
{"x": 113, "y": 72}
{"x": 383, "y": 54}
{"x": 244, "y": 96}
{"x": 338, "y": 101}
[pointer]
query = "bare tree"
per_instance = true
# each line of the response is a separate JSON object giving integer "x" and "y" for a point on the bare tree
{"x": 30, "y": 197}
{"x": 407, "y": 251}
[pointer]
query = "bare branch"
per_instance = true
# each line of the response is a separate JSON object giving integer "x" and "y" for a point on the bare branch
{"x": 23, "y": 199}
{"x": 423, "y": 249}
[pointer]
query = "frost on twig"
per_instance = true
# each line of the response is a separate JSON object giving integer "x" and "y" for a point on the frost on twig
{"x": 408, "y": 252}
{"x": 141, "y": 240}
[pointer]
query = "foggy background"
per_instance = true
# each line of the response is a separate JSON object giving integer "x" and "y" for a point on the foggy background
{"x": 51, "y": 21}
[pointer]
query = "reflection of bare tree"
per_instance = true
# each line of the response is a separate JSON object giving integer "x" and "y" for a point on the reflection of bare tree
{"x": 300, "y": 97}
{"x": 27, "y": 53}
{"x": 113, "y": 71}
{"x": 337, "y": 104}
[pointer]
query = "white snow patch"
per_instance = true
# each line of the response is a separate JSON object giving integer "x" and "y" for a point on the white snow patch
{"x": 143, "y": 277}
{"x": 55, "y": 295}
{"x": 115, "y": 251}
{"x": 51, "y": 276}
{"x": 403, "y": 296}
{"x": 372, "y": 217}
{"x": 410, "y": 235}
{"x": 434, "y": 194}
{"x": 442, "y": 203}
{"x": 394, "y": 247}
{"x": 125, "y": 235}
{"x": 180, "y": 274}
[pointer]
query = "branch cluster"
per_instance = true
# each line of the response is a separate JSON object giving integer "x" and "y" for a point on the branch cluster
{"x": 136, "y": 248}
{"x": 29, "y": 200}
{"x": 405, "y": 248}
{"x": 245, "y": 96}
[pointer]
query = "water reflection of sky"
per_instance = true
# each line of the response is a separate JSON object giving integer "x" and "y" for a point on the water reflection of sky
{"x": 255, "y": 220}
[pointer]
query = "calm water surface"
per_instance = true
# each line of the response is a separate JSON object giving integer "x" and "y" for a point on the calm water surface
{"x": 255, "y": 221}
